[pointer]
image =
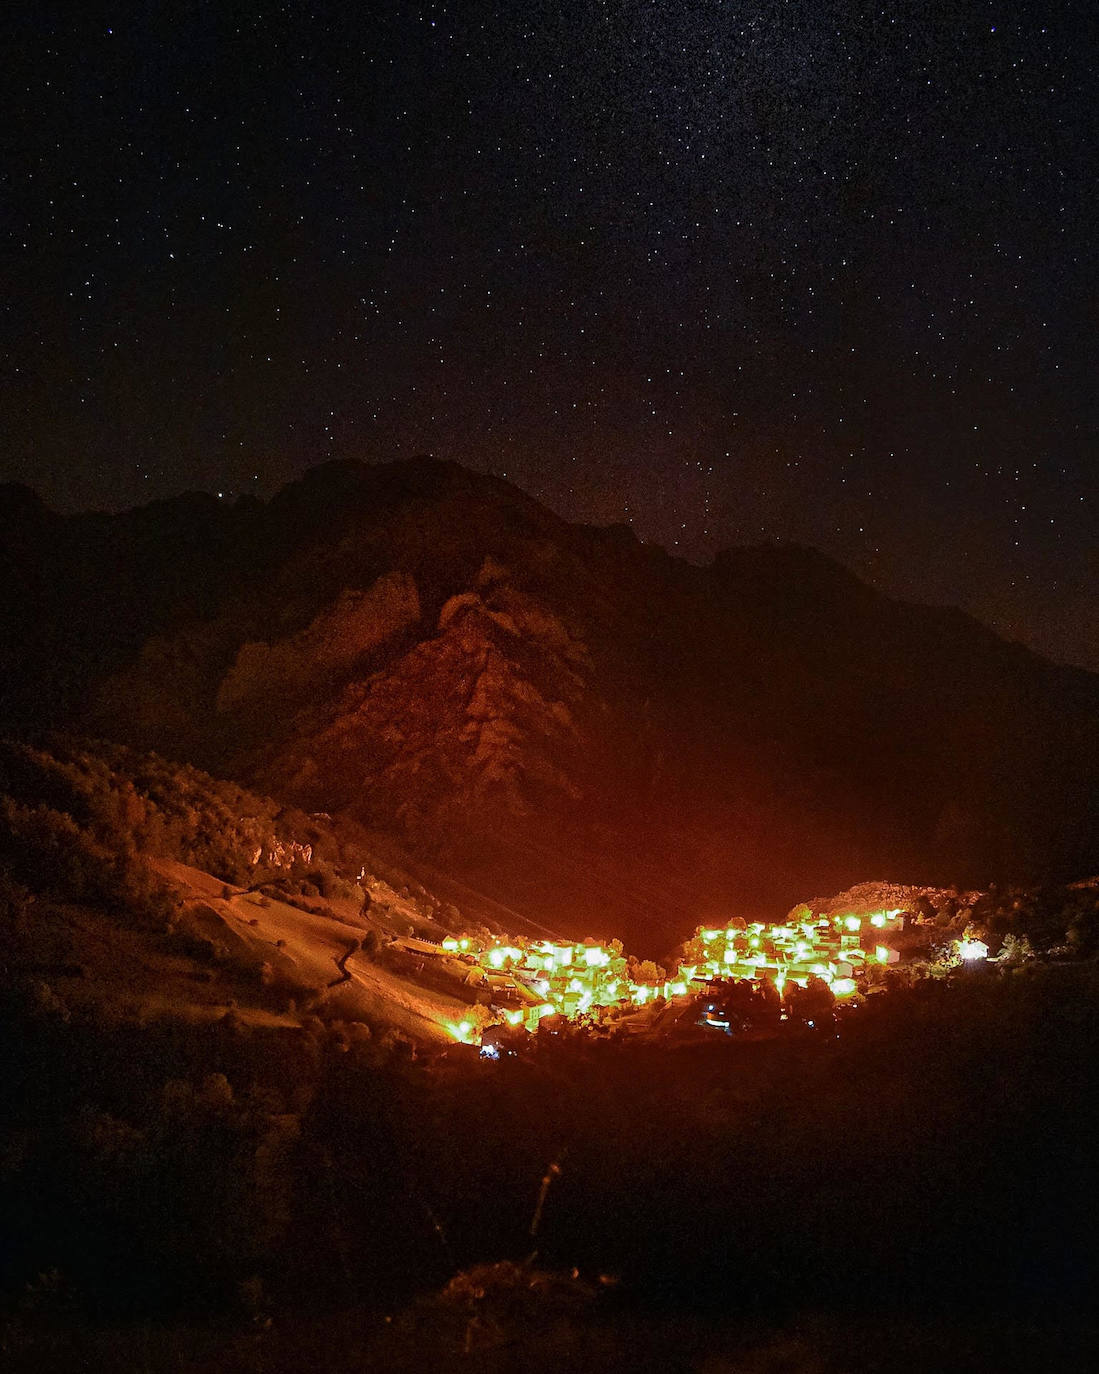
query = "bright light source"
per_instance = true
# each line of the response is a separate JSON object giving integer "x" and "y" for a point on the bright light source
{"x": 878, "y": 919}
{"x": 971, "y": 950}
{"x": 844, "y": 987}
{"x": 852, "y": 922}
{"x": 881, "y": 954}
{"x": 496, "y": 958}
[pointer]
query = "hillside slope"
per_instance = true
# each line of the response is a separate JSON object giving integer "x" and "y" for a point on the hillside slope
{"x": 133, "y": 890}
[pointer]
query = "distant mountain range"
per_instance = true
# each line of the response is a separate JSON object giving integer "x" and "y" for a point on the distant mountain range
{"x": 579, "y": 726}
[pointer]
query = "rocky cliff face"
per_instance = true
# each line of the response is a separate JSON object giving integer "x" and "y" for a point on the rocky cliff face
{"x": 604, "y": 737}
{"x": 271, "y": 675}
{"x": 470, "y": 721}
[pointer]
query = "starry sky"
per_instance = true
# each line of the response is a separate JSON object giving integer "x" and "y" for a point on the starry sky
{"x": 812, "y": 270}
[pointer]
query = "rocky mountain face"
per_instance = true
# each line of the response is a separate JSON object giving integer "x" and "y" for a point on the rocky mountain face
{"x": 583, "y": 728}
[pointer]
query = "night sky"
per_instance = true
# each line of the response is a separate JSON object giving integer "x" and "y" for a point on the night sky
{"x": 814, "y": 271}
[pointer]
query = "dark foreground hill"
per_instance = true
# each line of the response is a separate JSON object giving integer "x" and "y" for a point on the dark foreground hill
{"x": 578, "y": 725}
{"x": 217, "y": 1154}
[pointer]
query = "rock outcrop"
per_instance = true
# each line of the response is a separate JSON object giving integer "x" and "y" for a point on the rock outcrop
{"x": 471, "y": 722}
{"x": 340, "y": 638}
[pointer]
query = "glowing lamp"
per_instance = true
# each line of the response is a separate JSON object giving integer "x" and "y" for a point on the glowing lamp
{"x": 852, "y": 922}
{"x": 971, "y": 950}
{"x": 878, "y": 919}
{"x": 881, "y": 954}
{"x": 843, "y": 987}
{"x": 496, "y": 958}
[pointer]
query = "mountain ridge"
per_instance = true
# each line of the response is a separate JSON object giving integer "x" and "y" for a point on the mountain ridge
{"x": 584, "y": 727}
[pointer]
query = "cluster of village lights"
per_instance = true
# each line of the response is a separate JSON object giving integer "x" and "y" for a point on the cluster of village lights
{"x": 534, "y": 979}
{"x": 835, "y": 949}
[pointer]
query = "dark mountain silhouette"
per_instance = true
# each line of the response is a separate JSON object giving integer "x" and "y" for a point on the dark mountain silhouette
{"x": 583, "y": 727}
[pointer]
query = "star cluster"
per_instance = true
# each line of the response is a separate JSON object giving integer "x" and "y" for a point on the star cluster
{"x": 815, "y": 270}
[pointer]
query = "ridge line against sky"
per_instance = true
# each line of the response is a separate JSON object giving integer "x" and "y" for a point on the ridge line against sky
{"x": 813, "y": 271}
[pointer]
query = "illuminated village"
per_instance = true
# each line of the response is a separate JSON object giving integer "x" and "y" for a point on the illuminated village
{"x": 841, "y": 957}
